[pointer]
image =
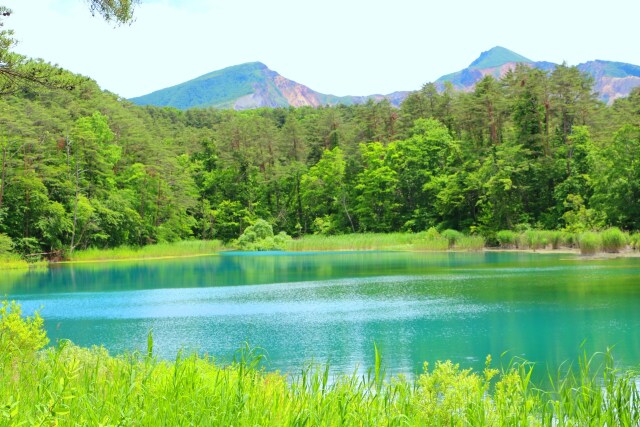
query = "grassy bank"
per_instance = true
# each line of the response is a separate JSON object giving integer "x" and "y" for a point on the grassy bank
{"x": 430, "y": 240}
{"x": 69, "y": 385}
{"x": 176, "y": 249}
{"x": 16, "y": 262}
{"x": 611, "y": 240}
{"x": 588, "y": 243}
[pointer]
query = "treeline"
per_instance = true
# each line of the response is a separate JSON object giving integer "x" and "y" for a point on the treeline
{"x": 85, "y": 168}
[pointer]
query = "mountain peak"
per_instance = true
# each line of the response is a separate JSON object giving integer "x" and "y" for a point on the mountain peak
{"x": 496, "y": 57}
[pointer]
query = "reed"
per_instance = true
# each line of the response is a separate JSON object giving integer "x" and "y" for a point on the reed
{"x": 534, "y": 239}
{"x": 429, "y": 240}
{"x": 356, "y": 241}
{"x": 507, "y": 239}
{"x": 13, "y": 262}
{"x": 613, "y": 240}
{"x": 590, "y": 243}
{"x": 176, "y": 249}
{"x": 470, "y": 243}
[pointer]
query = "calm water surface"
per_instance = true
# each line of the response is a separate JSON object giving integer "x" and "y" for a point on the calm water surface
{"x": 334, "y": 306}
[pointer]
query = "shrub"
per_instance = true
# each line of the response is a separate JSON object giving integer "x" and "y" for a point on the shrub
{"x": 634, "y": 241}
{"x": 613, "y": 240}
{"x": 432, "y": 234}
{"x": 507, "y": 239}
{"x": 259, "y": 237}
{"x": 19, "y": 335}
{"x": 6, "y": 244}
{"x": 590, "y": 243}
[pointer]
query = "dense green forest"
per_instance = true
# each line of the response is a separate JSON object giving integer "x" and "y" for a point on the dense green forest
{"x": 83, "y": 168}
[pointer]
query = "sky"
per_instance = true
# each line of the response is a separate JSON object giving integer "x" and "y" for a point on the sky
{"x": 339, "y": 47}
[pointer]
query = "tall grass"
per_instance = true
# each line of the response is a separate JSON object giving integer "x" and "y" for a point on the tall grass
{"x": 613, "y": 240}
{"x": 534, "y": 239}
{"x": 10, "y": 261}
{"x": 356, "y": 241}
{"x": 590, "y": 243}
{"x": 183, "y": 248}
{"x": 429, "y": 240}
{"x": 470, "y": 243}
{"x": 507, "y": 239}
{"x": 13, "y": 262}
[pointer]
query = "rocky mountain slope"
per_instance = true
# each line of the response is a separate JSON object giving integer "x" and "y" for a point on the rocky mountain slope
{"x": 254, "y": 85}
{"x": 250, "y": 85}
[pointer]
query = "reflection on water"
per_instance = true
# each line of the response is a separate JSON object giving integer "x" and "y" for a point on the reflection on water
{"x": 334, "y": 306}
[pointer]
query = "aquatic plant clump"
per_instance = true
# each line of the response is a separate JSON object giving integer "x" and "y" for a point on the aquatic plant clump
{"x": 613, "y": 240}
{"x": 590, "y": 243}
{"x": 507, "y": 239}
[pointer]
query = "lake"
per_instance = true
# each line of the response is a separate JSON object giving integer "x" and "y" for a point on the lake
{"x": 302, "y": 307}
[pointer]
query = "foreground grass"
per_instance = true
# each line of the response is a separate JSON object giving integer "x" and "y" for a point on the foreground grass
{"x": 176, "y": 249}
{"x": 69, "y": 385}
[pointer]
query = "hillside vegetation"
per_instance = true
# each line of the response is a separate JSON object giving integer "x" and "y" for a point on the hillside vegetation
{"x": 84, "y": 168}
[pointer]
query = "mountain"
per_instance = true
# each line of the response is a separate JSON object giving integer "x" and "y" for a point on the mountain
{"x": 612, "y": 80}
{"x": 250, "y": 85}
{"x": 254, "y": 85}
{"x": 495, "y": 62}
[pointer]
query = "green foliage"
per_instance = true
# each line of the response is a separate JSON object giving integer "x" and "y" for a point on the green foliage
{"x": 6, "y": 244}
{"x": 613, "y": 240}
{"x": 260, "y": 237}
{"x": 83, "y": 169}
{"x": 577, "y": 217}
{"x": 120, "y": 11}
{"x": 20, "y": 336}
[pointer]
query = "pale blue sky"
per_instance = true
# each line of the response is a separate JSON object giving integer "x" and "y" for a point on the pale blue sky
{"x": 342, "y": 47}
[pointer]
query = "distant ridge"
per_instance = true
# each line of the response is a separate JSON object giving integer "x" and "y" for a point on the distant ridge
{"x": 254, "y": 85}
{"x": 250, "y": 85}
{"x": 496, "y": 57}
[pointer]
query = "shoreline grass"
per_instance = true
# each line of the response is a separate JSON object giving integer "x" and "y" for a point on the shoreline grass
{"x": 425, "y": 241}
{"x": 162, "y": 250}
{"x": 611, "y": 241}
{"x": 16, "y": 262}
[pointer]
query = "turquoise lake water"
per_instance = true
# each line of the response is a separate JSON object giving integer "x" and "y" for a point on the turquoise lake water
{"x": 302, "y": 307}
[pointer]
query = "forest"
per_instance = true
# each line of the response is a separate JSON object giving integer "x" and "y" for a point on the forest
{"x": 83, "y": 168}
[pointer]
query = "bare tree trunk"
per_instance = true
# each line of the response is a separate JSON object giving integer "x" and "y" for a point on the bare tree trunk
{"x": 346, "y": 211}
